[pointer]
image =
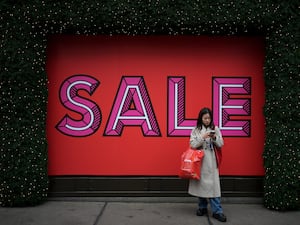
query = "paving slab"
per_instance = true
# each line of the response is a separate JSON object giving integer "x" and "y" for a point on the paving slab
{"x": 149, "y": 214}
{"x": 257, "y": 214}
{"x": 52, "y": 213}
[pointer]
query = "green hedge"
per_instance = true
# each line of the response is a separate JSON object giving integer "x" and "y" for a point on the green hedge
{"x": 25, "y": 25}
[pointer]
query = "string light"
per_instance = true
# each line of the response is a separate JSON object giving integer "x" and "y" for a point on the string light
{"x": 23, "y": 81}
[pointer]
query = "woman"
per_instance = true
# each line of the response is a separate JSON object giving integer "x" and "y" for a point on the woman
{"x": 203, "y": 137}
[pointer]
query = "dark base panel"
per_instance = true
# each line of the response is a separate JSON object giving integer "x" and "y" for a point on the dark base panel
{"x": 93, "y": 186}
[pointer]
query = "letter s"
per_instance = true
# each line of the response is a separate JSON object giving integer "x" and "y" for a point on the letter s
{"x": 89, "y": 110}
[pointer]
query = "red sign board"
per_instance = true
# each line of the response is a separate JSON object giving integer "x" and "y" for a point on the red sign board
{"x": 125, "y": 105}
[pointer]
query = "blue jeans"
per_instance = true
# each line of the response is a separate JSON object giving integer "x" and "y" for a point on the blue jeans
{"x": 215, "y": 204}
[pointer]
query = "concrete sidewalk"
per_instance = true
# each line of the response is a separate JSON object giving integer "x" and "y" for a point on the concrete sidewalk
{"x": 141, "y": 212}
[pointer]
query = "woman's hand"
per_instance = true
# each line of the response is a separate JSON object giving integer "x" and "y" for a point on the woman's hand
{"x": 213, "y": 136}
{"x": 209, "y": 134}
{"x": 206, "y": 135}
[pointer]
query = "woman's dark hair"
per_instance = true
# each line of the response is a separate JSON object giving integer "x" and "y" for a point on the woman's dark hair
{"x": 202, "y": 112}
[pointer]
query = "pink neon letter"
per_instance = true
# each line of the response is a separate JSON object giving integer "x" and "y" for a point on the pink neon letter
{"x": 224, "y": 106}
{"x": 177, "y": 124}
{"x": 91, "y": 114}
{"x": 132, "y": 92}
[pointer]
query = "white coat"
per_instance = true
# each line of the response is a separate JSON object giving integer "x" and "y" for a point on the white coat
{"x": 209, "y": 184}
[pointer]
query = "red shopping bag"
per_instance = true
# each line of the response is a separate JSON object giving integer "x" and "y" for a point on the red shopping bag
{"x": 191, "y": 162}
{"x": 218, "y": 153}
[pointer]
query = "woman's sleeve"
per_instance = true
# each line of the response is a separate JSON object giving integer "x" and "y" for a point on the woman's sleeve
{"x": 219, "y": 139}
{"x": 195, "y": 139}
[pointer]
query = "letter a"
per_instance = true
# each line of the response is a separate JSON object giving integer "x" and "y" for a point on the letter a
{"x": 132, "y": 107}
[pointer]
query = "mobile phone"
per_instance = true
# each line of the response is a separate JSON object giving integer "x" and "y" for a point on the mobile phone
{"x": 212, "y": 132}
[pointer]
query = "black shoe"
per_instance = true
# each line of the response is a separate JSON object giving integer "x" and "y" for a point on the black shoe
{"x": 201, "y": 212}
{"x": 220, "y": 216}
